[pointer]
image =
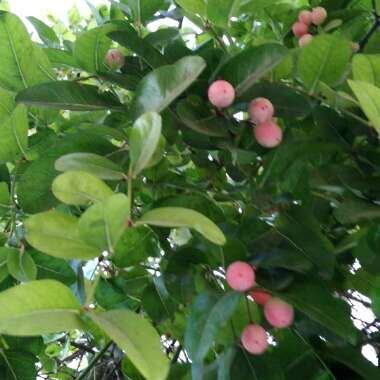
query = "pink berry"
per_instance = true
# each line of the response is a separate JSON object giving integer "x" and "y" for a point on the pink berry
{"x": 305, "y": 17}
{"x": 268, "y": 134}
{"x": 240, "y": 276}
{"x": 279, "y": 313}
{"x": 355, "y": 47}
{"x": 221, "y": 94}
{"x": 305, "y": 39}
{"x": 254, "y": 339}
{"x": 299, "y": 29}
{"x": 260, "y": 110}
{"x": 261, "y": 297}
{"x": 115, "y": 59}
{"x": 318, "y": 16}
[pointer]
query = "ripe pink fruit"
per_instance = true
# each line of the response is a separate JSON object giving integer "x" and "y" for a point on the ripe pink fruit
{"x": 221, "y": 94}
{"x": 261, "y": 297}
{"x": 115, "y": 59}
{"x": 305, "y": 17}
{"x": 254, "y": 339}
{"x": 305, "y": 39}
{"x": 240, "y": 276}
{"x": 299, "y": 29}
{"x": 318, "y": 16}
{"x": 279, "y": 313}
{"x": 268, "y": 134}
{"x": 260, "y": 110}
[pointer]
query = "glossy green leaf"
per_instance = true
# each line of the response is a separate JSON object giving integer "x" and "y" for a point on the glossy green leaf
{"x": 103, "y": 223}
{"x": 97, "y": 165}
{"x": 79, "y": 188}
{"x": 209, "y": 313}
{"x": 68, "y": 96}
{"x": 91, "y": 47}
{"x": 3, "y": 263}
{"x": 18, "y": 365}
{"x": 45, "y": 32}
{"x": 38, "y": 307}
{"x": 194, "y": 6}
{"x": 57, "y": 235}
{"x": 162, "y": 86}
{"x": 143, "y": 10}
{"x": 325, "y": 59}
{"x": 220, "y": 12}
{"x": 321, "y": 306}
{"x": 143, "y": 140}
{"x": 366, "y": 68}
{"x": 21, "y": 265}
{"x": 369, "y": 99}
{"x": 247, "y": 67}
{"x": 60, "y": 58}
{"x": 22, "y": 64}
{"x": 182, "y": 217}
{"x": 135, "y": 335}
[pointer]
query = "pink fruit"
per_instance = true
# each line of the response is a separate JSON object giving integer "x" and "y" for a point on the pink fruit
{"x": 305, "y": 39}
{"x": 221, "y": 94}
{"x": 115, "y": 59}
{"x": 240, "y": 276}
{"x": 355, "y": 47}
{"x": 260, "y": 110}
{"x": 268, "y": 134}
{"x": 261, "y": 297}
{"x": 279, "y": 313}
{"x": 318, "y": 16}
{"x": 305, "y": 17}
{"x": 299, "y": 29}
{"x": 254, "y": 339}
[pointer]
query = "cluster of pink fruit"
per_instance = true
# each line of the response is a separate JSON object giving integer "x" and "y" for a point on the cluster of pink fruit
{"x": 267, "y": 132}
{"x": 305, "y": 18}
{"x": 241, "y": 277}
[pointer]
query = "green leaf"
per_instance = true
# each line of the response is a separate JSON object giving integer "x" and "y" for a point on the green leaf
{"x": 220, "y": 12}
{"x": 5, "y": 199}
{"x": 49, "y": 267}
{"x": 143, "y": 140}
{"x": 353, "y": 211}
{"x": 18, "y": 365}
{"x": 247, "y": 67}
{"x": 135, "y": 246}
{"x": 317, "y": 302}
{"x": 91, "y": 47}
{"x": 57, "y": 235}
{"x": 94, "y": 164}
{"x": 45, "y": 32}
{"x": 209, "y": 313}
{"x": 68, "y": 96}
{"x": 159, "y": 88}
{"x": 38, "y": 307}
{"x": 79, "y": 188}
{"x": 103, "y": 223}
{"x": 127, "y": 36}
{"x": 143, "y": 10}
{"x": 22, "y": 63}
{"x": 181, "y": 217}
{"x": 21, "y": 265}
{"x": 375, "y": 296}
{"x": 366, "y": 68}
{"x": 194, "y": 6}
{"x": 133, "y": 334}
{"x": 369, "y": 99}
{"x": 325, "y": 59}
{"x": 3, "y": 263}
{"x": 60, "y": 58}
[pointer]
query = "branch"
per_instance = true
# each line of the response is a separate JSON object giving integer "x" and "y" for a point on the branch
{"x": 373, "y": 28}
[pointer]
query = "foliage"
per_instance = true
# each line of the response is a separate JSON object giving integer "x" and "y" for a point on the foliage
{"x": 124, "y": 194}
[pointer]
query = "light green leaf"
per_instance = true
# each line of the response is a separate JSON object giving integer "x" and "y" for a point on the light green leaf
{"x": 143, "y": 10}
{"x": 45, "y": 32}
{"x": 182, "y": 217}
{"x": 209, "y": 313}
{"x": 369, "y": 99}
{"x": 57, "y": 235}
{"x": 22, "y": 64}
{"x": 140, "y": 341}
{"x": 68, "y": 96}
{"x": 194, "y": 6}
{"x": 366, "y": 68}
{"x": 38, "y": 307}
{"x": 220, "y": 12}
{"x": 3, "y": 263}
{"x": 143, "y": 140}
{"x": 94, "y": 164}
{"x": 21, "y": 265}
{"x": 103, "y": 223}
{"x": 160, "y": 87}
{"x": 79, "y": 188}
{"x": 325, "y": 59}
